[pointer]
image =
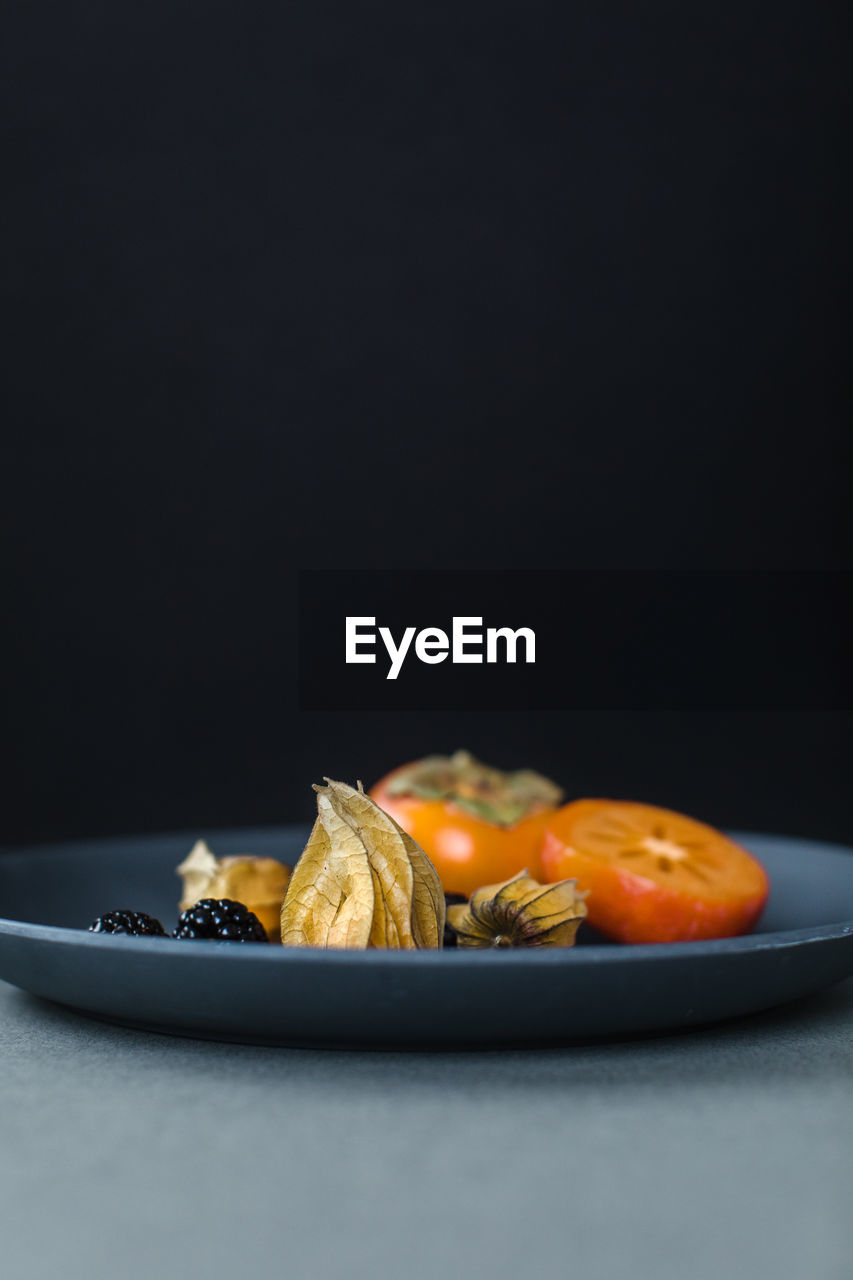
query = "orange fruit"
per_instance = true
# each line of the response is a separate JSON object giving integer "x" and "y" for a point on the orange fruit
{"x": 478, "y": 825}
{"x": 653, "y": 875}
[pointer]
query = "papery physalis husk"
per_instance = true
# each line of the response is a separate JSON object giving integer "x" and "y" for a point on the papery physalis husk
{"x": 519, "y": 913}
{"x": 361, "y": 881}
{"x": 259, "y": 883}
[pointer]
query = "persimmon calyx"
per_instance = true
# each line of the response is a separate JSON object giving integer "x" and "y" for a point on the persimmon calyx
{"x": 502, "y": 798}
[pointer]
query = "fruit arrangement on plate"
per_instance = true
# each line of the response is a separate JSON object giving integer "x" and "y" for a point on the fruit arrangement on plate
{"x": 447, "y": 851}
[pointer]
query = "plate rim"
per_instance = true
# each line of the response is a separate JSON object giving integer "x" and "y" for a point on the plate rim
{"x": 787, "y": 939}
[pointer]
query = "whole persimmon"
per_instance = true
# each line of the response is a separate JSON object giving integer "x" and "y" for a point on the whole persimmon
{"x": 478, "y": 825}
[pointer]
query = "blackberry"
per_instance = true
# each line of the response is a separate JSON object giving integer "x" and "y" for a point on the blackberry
{"x": 451, "y": 900}
{"x": 134, "y": 922}
{"x": 222, "y": 919}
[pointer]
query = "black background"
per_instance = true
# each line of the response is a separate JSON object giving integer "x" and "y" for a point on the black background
{"x": 458, "y": 285}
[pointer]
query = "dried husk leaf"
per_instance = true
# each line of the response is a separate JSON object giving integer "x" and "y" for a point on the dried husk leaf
{"x": 428, "y": 901}
{"x": 330, "y": 899}
{"x": 364, "y": 870}
{"x": 389, "y": 863}
{"x": 196, "y": 871}
{"x": 259, "y": 883}
{"x": 519, "y": 913}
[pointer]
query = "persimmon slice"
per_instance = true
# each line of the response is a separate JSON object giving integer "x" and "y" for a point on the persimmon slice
{"x": 653, "y": 875}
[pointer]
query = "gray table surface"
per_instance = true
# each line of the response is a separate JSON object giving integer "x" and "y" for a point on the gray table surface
{"x": 726, "y": 1150}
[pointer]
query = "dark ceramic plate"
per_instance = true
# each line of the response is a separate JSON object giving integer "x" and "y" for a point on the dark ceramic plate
{"x": 267, "y": 994}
